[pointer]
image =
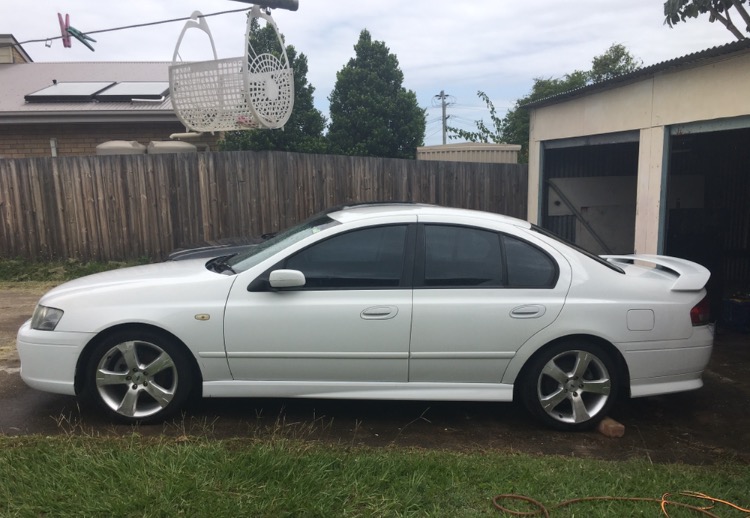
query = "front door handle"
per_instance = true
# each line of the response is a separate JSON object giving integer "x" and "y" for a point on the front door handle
{"x": 379, "y": 313}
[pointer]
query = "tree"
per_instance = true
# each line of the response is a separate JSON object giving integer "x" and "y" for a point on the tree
{"x": 514, "y": 127}
{"x": 303, "y": 132}
{"x": 515, "y": 124}
{"x": 483, "y": 133}
{"x": 616, "y": 61}
{"x": 372, "y": 114}
{"x": 676, "y": 11}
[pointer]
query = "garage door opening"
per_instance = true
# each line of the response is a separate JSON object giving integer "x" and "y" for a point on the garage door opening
{"x": 589, "y": 194}
{"x": 708, "y": 208}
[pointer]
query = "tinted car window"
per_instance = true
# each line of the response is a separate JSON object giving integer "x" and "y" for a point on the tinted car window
{"x": 528, "y": 266}
{"x": 367, "y": 258}
{"x": 456, "y": 256}
{"x": 462, "y": 256}
{"x": 259, "y": 253}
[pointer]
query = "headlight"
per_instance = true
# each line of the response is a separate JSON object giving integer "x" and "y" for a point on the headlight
{"x": 46, "y": 319}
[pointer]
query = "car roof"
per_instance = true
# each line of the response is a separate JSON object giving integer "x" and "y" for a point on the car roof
{"x": 358, "y": 212}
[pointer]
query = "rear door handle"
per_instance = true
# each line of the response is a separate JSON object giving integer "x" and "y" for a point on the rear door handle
{"x": 379, "y": 313}
{"x": 528, "y": 311}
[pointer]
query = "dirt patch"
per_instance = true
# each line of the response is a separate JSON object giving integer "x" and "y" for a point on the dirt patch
{"x": 701, "y": 427}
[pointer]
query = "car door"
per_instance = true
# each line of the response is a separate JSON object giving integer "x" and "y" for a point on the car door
{"x": 479, "y": 295}
{"x": 351, "y": 320}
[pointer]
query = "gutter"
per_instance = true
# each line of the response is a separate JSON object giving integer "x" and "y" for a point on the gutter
{"x": 8, "y": 118}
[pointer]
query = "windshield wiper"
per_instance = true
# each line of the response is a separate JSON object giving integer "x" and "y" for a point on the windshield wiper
{"x": 220, "y": 265}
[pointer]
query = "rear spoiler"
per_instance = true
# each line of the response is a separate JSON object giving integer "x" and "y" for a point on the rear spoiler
{"x": 691, "y": 276}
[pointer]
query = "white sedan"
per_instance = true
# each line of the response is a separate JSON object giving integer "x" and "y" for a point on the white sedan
{"x": 380, "y": 301}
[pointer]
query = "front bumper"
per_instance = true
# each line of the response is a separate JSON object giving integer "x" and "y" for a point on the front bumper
{"x": 49, "y": 358}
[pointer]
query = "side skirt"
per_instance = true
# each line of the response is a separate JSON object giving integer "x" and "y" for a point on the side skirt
{"x": 347, "y": 390}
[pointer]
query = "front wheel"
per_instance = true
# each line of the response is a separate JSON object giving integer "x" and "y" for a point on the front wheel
{"x": 570, "y": 385}
{"x": 138, "y": 377}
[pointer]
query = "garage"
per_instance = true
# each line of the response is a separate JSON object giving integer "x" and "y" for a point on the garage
{"x": 653, "y": 162}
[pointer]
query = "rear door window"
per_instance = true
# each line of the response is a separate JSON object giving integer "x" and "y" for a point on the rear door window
{"x": 459, "y": 256}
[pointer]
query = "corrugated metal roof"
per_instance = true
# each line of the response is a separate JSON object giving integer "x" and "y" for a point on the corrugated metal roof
{"x": 17, "y": 80}
{"x": 689, "y": 60}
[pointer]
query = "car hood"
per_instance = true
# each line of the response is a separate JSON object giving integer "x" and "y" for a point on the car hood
{"x": 142, "y": 278}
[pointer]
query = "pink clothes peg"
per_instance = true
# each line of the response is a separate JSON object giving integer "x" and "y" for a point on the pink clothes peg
{"x": 64, "y": 29}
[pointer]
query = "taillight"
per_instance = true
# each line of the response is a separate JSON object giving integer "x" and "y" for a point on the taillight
{"x": 701, "y": 313}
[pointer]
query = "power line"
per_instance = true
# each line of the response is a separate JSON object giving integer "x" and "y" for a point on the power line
{"x": 136, "y": 26}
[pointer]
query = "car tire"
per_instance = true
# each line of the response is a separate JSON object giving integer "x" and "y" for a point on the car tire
{"x": 571, "y": 385}
{"x": 138, "y": 377}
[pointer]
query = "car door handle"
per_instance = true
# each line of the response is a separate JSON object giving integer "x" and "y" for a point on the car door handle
{"x": 528, "y": 311}
{"x": 379, "y": 313}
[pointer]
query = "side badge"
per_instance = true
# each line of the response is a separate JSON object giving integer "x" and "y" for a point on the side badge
{"x": 203, "y": 316}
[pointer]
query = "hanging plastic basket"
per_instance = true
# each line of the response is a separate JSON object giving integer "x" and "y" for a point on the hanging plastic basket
{"x": 252, "y": 91}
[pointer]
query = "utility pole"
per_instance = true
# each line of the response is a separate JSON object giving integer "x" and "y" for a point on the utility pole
{"x": 443, "y": 96}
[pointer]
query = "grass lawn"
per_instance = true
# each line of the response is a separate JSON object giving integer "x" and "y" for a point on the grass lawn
{"x": 194, "y": 476}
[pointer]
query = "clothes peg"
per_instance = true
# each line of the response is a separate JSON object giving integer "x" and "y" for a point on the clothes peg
{"x": 81, "y": 37}
{"x": 64, "y": 29}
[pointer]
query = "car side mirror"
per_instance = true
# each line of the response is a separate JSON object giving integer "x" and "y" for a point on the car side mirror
{"x": 286, "y": 279}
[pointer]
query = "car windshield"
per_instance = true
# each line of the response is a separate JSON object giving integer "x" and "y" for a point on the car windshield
{"x": 266, "y": 249}
{"x": 577, "y": 248}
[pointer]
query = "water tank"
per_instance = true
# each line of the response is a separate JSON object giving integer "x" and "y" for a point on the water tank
{"x": 170, "y": 146}
{"x": 120, "y": 147}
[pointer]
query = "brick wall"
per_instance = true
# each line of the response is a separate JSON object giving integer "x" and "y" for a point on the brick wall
{"x": 33, "y": 140}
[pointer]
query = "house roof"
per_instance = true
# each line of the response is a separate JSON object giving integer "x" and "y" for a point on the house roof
{"x": 8, "y": 40}
{"x": 688, "y": 61}
{"x": 20, "y": 79}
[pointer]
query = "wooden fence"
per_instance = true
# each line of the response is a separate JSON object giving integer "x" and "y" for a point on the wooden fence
{"x": 133, "y": 206}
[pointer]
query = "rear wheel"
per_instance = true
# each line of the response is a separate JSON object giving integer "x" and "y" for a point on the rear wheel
{"x": 570, "y": 385}
{"x": 138, "y": 376}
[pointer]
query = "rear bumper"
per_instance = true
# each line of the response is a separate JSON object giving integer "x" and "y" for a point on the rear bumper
{"x": 669, "y": 366}
{"x": 49, "y": 358}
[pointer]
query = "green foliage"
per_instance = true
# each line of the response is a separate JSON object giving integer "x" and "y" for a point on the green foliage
{"x": 483, "y": 134}
{"x": 372, "y": 114}
{"x": 139, "y": 476}
{"x": 616, "y": 61}
{"x": 515, "y": 124}
{"x": 514, "y": 127}
{"x": 303, "y": 132}
{"x": 676, "y": 11}
{"x": 18, "y": 270}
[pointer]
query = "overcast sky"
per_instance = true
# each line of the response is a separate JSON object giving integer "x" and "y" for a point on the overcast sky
{"x": 498, "y": 46}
